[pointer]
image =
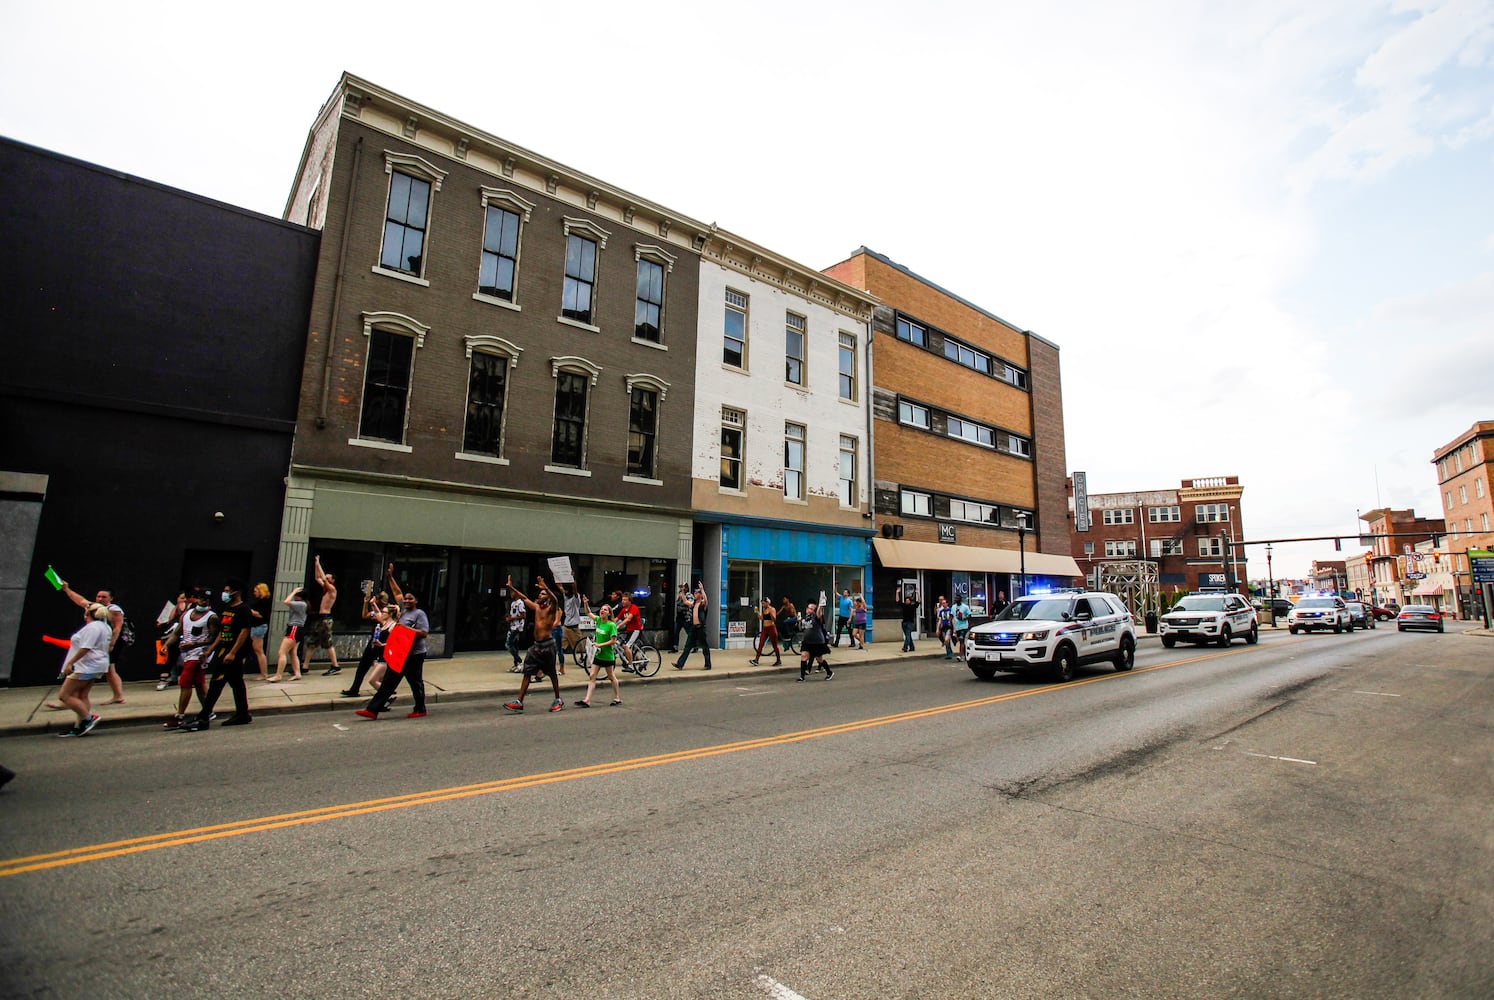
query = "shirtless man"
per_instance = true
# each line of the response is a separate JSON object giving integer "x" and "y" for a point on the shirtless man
{"x": 321, "y": 629}
{"x": 541, "y": 656}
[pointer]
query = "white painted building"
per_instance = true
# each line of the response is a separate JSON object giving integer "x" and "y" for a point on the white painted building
{"x": 782, "y": 444}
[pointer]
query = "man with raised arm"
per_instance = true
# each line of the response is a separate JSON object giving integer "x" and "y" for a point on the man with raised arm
{"x": 541, "y": 656}
{"x": 321, "y": 629}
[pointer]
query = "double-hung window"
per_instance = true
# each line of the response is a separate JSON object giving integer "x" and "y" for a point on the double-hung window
{"x": 1120, "y": 548}
{"x": 405, "y": 223}
{"x": 848, "y": 497}
{"x": 1018, "y": 446}
{"x": 1162, "y": 514}
{"x": 487, "y": 391}
{"x": 1211, "y": 548}
{"x": 793, "y": 461}
{"x": 580, "y": 278}
{"x": 733, "y": 432}
{"x": 648, "y": 310}
{"x": 848, "y": 366}
{"x": 794, "y": 328}
{"x": 574, "y": 378}
{"x": 393, "y": 339}
{"x": 643, "y": 429}
{"x": 500, "y": 253}
{"x": 734, "y": 341}
{"x": 1206, "y": 513}
{"x": 1119, "y": 515}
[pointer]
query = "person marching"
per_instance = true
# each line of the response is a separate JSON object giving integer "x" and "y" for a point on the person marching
{"x": 698, "y": 607}
{"x": 295, "y": 629}
{"x": 87, "y": 660}
{"x": 199, "y": 634}
{"x": 227, "y": 661}
{"x": 541, "y": 657}
{"x": 116, "y": 630}
{"x": 605, "y": 655}
{"x": 816, "y": 644}
{"x": 858, "y": 623}
{"x": 413, "y": 672}
{"x": 944, "y": 626}
{"x": 383, "y": 619}
{"x": 515, "y": 619}
{"x": 320, "y": 635}
{"x": 843, "y": 617}
{"x": 961, "y": 615}
{"x": 767, "y": 632}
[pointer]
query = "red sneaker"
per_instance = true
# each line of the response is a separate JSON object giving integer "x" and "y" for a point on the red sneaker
{"x": 366, "y": 713}
{"x": 416, "y": 715}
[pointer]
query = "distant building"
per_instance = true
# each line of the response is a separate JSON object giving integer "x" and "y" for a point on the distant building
{"x": 1177, "y": 539}
{"x": 1331, "y": 575}
{"x": 1465, "y": 475}
{"x": 1394, "y": 561}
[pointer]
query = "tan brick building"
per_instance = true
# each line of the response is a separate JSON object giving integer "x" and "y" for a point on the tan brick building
{"x": 968, "y": 465}
{"x": 1465, "y": 466}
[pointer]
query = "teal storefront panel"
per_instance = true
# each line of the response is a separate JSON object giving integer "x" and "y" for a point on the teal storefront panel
{"x": 744, "y": 541}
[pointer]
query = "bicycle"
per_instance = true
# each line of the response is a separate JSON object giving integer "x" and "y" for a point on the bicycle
{"x": 644, "y": 659}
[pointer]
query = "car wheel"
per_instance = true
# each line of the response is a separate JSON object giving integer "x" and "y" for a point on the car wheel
{"x": 1064, "y": 663}
{"x": 1440, "y": 627}
{"x": 1338, "y": 628}
{"x": 1400, "y": 628}
{"x": 1169, "y": 641}
{"x": 1254, "y": 635}
{"x": 1224, "y": 638}
{"x": 1292, "y": 629}
{"x": 1125, "y": 657}
{"x": 982, "y": 672}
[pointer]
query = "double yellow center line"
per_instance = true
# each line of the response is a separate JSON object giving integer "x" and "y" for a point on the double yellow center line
{"x": 196, "y": 835}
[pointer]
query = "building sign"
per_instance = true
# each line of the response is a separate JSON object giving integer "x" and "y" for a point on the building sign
{"x": 1081, "y": 501}
{"x": 1211, "y": 580}
{"x": 947, "y": 533}
{"x": 734, "y": 629}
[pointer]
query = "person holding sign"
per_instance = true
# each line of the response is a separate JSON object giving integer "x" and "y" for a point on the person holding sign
{"x": 404, "y": 652}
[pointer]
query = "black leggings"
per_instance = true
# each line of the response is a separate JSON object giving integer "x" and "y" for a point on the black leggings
{"x": 231, "y": 674}
{"x": 414, "y": 673}
{"x": 365, "y": 664}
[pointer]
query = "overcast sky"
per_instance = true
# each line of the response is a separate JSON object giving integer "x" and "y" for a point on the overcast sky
{"x": 1262, "y": 234}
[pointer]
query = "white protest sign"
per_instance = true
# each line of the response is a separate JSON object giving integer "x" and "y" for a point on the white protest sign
{"x": 560, "y": 569}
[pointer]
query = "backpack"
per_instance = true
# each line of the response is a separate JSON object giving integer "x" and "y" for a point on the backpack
{"x": 126, "y": 632}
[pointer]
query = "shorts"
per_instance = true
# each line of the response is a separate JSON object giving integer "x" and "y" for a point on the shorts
{"x": 192, "y": 674}
{"x": 815, "y": 650}
{"x": 294, "y": 632}
{"x": 540, "y": 659}
{"x": 631, "y": 639}
{"x": 90, "y": 678}
{"x": 259, "y": 631}
{"x": 604, "y": 665}
{"x": 321, "y": 634}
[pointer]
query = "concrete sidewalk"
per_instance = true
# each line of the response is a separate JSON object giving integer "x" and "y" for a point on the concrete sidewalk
{"x": 465, "y": 676}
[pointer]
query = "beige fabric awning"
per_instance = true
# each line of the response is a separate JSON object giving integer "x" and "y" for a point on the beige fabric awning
{"x": 900, "y": 554}
{"x": 1427, "y": 590}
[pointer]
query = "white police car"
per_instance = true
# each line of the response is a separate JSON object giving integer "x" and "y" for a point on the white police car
{"x": 1323, "y": 612}
{"x": 1216, "y": 618}
{"x": 1054, "y": 633}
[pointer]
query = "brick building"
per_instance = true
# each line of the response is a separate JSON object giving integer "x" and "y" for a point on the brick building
{"x": 1175, "y": 539}
{"x": 1465, "y": 466}
{"x": 500, "y": 368}
{"x": 1394, "y": 536}
{"x": 968, "y": 461}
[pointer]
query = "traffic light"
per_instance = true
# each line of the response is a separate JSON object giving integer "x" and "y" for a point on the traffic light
{"x": 1338, "y": 545}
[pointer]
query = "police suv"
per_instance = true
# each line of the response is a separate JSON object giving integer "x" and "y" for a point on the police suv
{"x": 1054, "y": 633}
{"x": 1320, "y": 612}
{"x": 1216, "y": 618}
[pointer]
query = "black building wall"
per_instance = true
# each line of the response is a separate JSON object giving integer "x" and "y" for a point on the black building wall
{"x": 154, "y": 342}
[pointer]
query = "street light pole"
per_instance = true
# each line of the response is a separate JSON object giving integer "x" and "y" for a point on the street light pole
{"x": 1270, "y": 586}
{"x": 1022, "y": 552}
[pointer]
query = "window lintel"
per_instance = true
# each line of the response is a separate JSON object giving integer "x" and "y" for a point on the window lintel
{"x": 655, "y": 254}
{"x": 588, "y": 227}
{"x": 575, "y": 364}
{"x": 396, "y": 322}
{"x": 414, "y": 165}
{"x": 505, "y": 197}
{"x": 489, "y": 344}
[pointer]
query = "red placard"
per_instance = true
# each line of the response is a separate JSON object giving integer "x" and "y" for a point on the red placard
{"x": 401, "y": 638}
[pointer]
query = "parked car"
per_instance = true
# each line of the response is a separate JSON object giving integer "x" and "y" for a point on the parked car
{"x": 1361, "y": 615}
{"x": 1313, "y": 613}
{"x": 1386, "y": 613}
{"x": 1422, "y": 616}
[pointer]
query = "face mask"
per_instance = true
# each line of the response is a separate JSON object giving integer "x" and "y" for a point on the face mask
{"x": 226, "y": 597}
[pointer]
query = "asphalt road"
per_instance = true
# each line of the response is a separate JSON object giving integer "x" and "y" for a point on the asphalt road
{"x": 1310, "y": 817}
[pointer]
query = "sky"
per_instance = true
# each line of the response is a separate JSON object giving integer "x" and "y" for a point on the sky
{"x": 1261, "y": 233}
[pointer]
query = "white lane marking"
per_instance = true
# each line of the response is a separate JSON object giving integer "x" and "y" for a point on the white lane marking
{"x": 777, "y": 990}
{"x": 1289, "y": 760}
{"x": 338, "y": 725}
{"x": 1379, "y": 694}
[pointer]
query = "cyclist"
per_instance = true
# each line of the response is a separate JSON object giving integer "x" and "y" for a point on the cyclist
{"x": 630, "y": 630}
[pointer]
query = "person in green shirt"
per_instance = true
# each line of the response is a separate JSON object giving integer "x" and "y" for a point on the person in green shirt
{"x": 604, "y": 655}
